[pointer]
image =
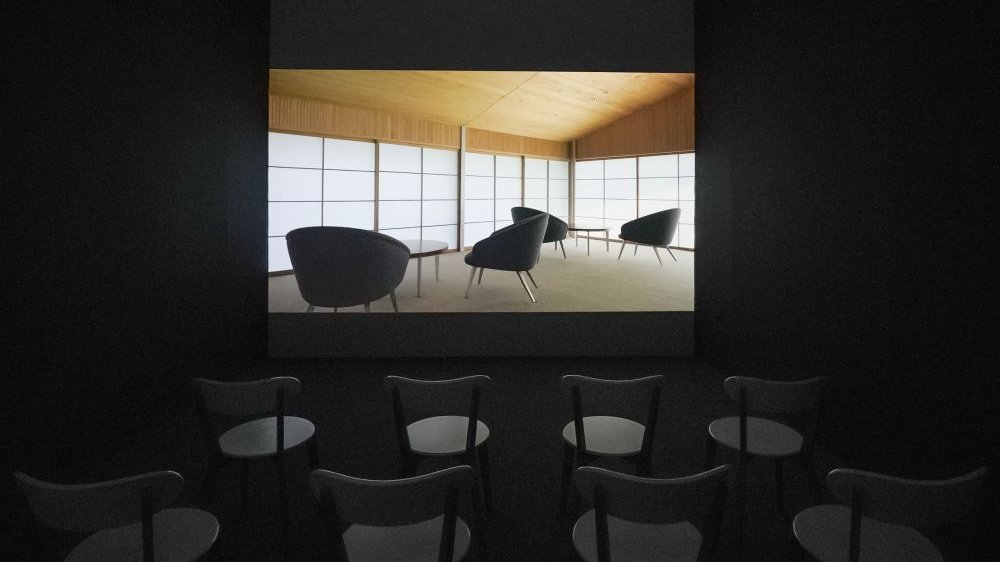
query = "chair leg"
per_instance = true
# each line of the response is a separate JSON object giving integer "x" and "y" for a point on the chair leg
{"x": 313, "y": 448}
{"x": 392, "y": 296}
{"x": 368, "y": 307}
{"x": 525, "y": 285}
{"x": 563, "y": 249}
{"x": 480, "y": 282}
{"x": 779, "y": 486}
{"x": 569, "y": 456}
{"x": 671, "y": 252}
{"x": 279, "y": 461}
{"x": 483, "y": 452}
{"x": 471, "y": 277}
{"x": 244, "y": 482}
{"x": 657, "y": 252}
{"x": 815, "y": 486}
{"x": 710, "y": 447}
{"x": 310, "y": 308}
{"x": 622, "y": 250}
{"x": 532, "y": 279}
{"x": 212, "y": 476}
{"x": 636, "y": 250}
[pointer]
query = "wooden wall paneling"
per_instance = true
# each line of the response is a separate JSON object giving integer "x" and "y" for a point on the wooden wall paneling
{"x": 304, "y": 116}
{"x": 492, "y": 141}
{"x": 666, "y": 126}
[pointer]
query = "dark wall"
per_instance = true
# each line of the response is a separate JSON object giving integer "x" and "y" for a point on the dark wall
{"x": 847, "y": 177}
{"x": 133, "y": 212}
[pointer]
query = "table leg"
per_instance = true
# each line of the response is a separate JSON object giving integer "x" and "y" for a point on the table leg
{"x": 576, "y": 236}
{"x": 437, "y": 267}
{"x": 607, "y": 241}
{"x": 588, "y": 243}
{"x": 419, "y": 263}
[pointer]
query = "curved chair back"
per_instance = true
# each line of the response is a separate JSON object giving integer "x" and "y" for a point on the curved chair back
{"x": 441, "y": 397}
{"x": 512, "y": 248}
{"x": 656, "y": 229}
{"x": 385, "y": 503}
{"x": 654, "y": 500}
{"x": 632, "y": 399}
{"x": 915, "y": 503}
{"x": 101, "y": 505}
{"x": 246, "y": 398}
{"x": 556, "y": 229}
{"x": 776, "y": 397}
{"x": 339, "y": 267}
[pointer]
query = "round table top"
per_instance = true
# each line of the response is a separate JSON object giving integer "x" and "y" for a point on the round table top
{"x": 588, "y": 228}
{"x": 421, "y": 248}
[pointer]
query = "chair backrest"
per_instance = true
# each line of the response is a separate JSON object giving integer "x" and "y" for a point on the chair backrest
{"x": 246, "y": 398}
{"x": 656, "y": 228}
{"x": 514, "y": 247}
{"x": 632, "y": 399}
{"x": 440, "y": 397}
{"x": 521, "y": 213}
{"x": 385, "y": 503}
{"x": 915, "y": 503}
{"x": 101, "y": 505}
{"x": 338, "y": 266}
{"x": 654, "y": 500}
{"x": 777, "y": 397}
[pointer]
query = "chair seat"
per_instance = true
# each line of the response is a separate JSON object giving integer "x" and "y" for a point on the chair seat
{"x": 258, "y": 438}
{"x": 637, "y": 542}
{"x": 765, "y": 438}
{"x": 608, "y": 435}
{"x": 406, "y": 543}
{"x": 443, "y": 435}
{"x": 178, "y": 535}
{"x": 824, "y": 531}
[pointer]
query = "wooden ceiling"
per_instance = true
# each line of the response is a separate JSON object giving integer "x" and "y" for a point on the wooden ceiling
{"x": 558, "y": 106}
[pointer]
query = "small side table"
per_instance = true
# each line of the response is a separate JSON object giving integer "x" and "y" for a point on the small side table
{"x": 423, "y": 248}
{"x": 607, "y": 246}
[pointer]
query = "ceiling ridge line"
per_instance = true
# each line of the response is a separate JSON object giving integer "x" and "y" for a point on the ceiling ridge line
{"x": 503, "y": 97}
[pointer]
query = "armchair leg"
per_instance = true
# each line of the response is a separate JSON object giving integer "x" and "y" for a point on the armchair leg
{"x": 622, "y": 250}
{"x": 471, "y": 277}
{"x": 395, "y": 305}
{"x": 635, "y": 252}
{"x": 532, "y": 279}
{"x": 563, "y": 249}
{"x": 525, "y": 285}
{"x": 657, "y": 252}
{"x": 310, "y": 308}
{"x": 481, "y": 270}
{"x": 671, "y": 253}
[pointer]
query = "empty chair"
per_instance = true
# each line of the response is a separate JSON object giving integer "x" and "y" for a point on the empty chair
{"x": 556, "y": 230}
{"x": 338, "y": 266}
{"x": 128, "y": 517}
{"x": 512, "y": 248}
{"x": 639, "y": 519}
{"x": 656, "y": 230}
{"x": 408, "y": 520}
{"x": 884, "y": 515}
{"x": 270, "y": 436}
{"x": 441, "y": 419}
{"x": 613, "y": 418}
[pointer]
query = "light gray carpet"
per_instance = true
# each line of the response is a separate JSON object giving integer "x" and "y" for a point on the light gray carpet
{"x": 580, "y": 283}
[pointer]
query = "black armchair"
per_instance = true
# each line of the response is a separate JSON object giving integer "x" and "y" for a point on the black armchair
{"x": 555, "y": 232}
{"x": 656, "y": 230}
{"x": 512, "y": 248}
{"x": 338, "y": 266}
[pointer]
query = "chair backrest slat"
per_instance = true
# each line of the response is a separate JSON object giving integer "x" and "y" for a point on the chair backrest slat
{"x": 653, "y": 500}
{"x": 628, "y": 399}
{"x": 246, "y": 398}
{"x": 100, "y": 505}
{"x": 386, "y": 503}
{"x": 915, "y": 503}
{"x": 777, "y": 397}
{"x": 441, "y": 397}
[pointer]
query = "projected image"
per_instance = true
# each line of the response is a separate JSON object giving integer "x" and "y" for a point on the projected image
{"x": 445, "y": 191}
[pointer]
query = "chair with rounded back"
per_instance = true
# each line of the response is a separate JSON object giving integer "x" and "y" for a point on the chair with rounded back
{"x": 787, "y": 433}
{"x": 611, "y": 418}
{"x": 407, "y": 520}
{"x": 338, "y": 267}
{"x": 441, "y": 418}
{"x": 512, "y": 248}
{"x": 656, "y": 230}
{"x": 128, "y": 517}
{"x": 219, "y": 403}
{"x": 884, "y": 514}
{"x": 555, "y": 232}
{"x": 640, "y": 519}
